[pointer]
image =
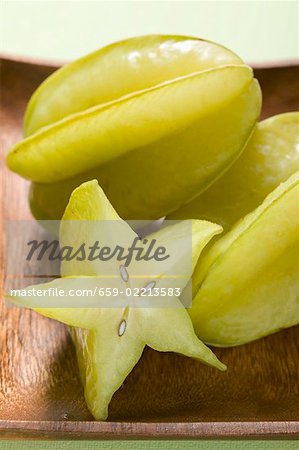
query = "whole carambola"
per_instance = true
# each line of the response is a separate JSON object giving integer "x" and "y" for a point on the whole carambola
{"x": 270, "y": 157}
{"x": 247, "y": 285}
{"x": 154, "y": 119}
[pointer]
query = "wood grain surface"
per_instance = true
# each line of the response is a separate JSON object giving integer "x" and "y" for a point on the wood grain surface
{"x": 166, "y": 395}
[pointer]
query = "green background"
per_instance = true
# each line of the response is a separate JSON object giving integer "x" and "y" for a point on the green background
{"x": 260, "y": 31}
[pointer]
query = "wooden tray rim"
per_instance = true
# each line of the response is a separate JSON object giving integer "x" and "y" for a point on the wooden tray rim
{"x": 16, "y": 429}
{"x": 148, "y": 430}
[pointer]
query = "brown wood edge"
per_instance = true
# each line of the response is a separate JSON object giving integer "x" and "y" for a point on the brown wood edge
{"x": 55, "y": 64}
{"x": 10, "y": 429}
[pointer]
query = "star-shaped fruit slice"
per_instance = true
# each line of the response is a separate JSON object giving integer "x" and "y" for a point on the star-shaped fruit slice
{"x": 109, "y": 340}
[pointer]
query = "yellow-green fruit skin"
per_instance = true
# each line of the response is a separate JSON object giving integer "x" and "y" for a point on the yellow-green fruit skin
{"x": 270, "y": 157}
{"x": 119, "y": 69}
{"x": 247, "y": 285}
{"x": 151, "y": 181}
{"x": 168, "y": 129}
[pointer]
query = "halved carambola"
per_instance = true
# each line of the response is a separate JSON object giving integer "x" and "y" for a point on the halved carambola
{"x": 110, "y": 340}
{"x": 154, "y": 119}
{"x": 270, "y": 157}
{"x": 248, "y": 283}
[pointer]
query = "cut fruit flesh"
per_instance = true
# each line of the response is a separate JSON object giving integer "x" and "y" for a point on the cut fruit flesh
{"x": 120, "y": 69}
{"x": 270, "y": 158}
{"x": 110, "y": 341}
{"x": 247, "y": 285}
{"x": 137, "y": 192}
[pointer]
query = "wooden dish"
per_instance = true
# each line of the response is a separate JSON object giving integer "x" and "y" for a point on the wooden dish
{"x": 166, "y": 395}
